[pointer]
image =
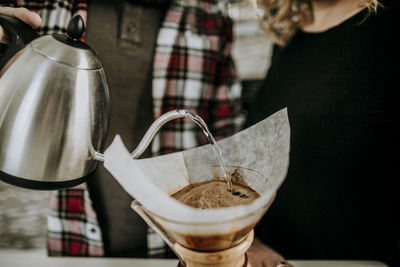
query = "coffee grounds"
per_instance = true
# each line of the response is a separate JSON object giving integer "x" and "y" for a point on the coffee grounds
{"x": 215, "y": 194}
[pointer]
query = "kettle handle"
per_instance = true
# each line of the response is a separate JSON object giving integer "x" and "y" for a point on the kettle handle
{"x": 20, "y": 35}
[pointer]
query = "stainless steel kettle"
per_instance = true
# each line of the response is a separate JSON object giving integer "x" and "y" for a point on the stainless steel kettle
{"x": 54, "y": 106}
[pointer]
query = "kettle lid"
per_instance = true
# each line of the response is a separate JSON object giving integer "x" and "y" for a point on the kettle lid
{"x": 68, "y": 49}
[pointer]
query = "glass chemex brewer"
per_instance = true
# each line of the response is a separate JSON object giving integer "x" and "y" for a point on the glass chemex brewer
{"x": 206, "y": 237}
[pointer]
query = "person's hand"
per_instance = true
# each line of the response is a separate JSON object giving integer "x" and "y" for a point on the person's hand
{"x": 260, "y": 255}
{"x": 29, "y": 17}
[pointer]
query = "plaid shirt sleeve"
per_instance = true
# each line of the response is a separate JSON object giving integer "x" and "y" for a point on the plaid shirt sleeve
{"x": 72, "y": 226}
{"x": 193, "y": 70}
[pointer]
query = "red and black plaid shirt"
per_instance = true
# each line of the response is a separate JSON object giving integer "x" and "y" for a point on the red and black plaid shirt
{"x": 192, "y": 69}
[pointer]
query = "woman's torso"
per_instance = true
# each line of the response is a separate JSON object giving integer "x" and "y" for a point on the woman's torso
{"x": 339, "y": 196}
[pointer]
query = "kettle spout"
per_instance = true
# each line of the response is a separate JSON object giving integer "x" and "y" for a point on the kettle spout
{"x": 157, "y": 124}
{"x": 151, "y": 132}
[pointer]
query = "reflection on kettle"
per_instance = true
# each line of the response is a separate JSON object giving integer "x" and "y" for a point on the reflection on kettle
{"x": 54, "y": 106}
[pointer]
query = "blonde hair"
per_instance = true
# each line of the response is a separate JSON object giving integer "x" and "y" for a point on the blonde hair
{"x": 282, "y": 18}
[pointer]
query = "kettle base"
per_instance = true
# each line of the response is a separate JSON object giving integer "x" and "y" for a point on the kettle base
{"x": 40, "y": 185}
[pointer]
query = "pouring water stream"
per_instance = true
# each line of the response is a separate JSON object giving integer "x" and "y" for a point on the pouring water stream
{"x": 217, "y": 151}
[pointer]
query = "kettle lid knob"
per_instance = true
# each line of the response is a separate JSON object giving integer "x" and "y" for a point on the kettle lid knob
{"x": 76, "y": 27}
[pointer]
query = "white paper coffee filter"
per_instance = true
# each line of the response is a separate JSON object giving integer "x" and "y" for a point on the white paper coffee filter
{"x": 263, "y": 148}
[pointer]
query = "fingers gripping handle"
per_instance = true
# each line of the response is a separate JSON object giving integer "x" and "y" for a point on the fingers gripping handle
{"x": 19, "y": 34}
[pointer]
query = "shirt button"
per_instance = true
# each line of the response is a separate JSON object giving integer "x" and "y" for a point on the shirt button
{"x": 131, "y": 27}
